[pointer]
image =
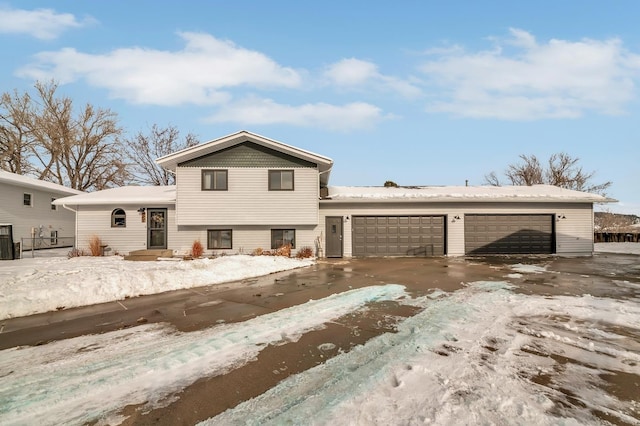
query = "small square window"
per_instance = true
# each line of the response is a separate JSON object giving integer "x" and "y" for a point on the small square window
{"x": 27, "y": 200}
{"x": 218, "y": 239}
{"x": 280, "y": 180}
{"x": 53, "y": 206}
{"x": 282, "y": 237}
{"x": 214, "y": 180}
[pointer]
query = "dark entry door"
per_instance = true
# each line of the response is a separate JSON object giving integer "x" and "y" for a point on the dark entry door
{"x": 157, "y": 229}
{"x": 6, "y": 242}
{"x": 334, "y": 236}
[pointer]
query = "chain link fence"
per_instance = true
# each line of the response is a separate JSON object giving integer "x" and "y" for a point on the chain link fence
{"x": 44, "y": 246}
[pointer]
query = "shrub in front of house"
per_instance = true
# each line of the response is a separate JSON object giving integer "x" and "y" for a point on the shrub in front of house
{"x": 304, "y": 253}
{"x": 196, "y": 249}
{"x": 95, "y": 246}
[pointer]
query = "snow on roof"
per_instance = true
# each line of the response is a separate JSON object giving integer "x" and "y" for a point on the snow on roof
{"x": 29, "y": 182}
{"x": 462, "y": 193}
{"x": 123, "y": 195}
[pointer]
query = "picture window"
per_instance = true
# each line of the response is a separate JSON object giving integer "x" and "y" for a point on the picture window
{"x": 282, "y": 237}
{"x": 218, "y": 239}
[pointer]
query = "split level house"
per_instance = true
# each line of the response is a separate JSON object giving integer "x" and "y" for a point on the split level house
{"x": 244, "y": 192}
{"x": 28, "y": 215}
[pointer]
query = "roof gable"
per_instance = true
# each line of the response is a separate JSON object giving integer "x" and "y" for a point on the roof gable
{"x": 171, "y": 161}
{"x": 248, "y": 154}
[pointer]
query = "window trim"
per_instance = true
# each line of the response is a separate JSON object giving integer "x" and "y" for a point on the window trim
{"x": 24, "y": 194}
{"x": 293, "y": 242}
{"x": 116, "y": 215}
{"x": 214, "y": 171}
{"x": 279, "y": 172}
{"x": 220, "y": 239}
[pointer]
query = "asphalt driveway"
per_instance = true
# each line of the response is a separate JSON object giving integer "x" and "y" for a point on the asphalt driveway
{"x": 198, "y": 308}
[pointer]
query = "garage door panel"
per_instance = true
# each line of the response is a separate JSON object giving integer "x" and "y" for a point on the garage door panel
{"x": 398, "y": 235}
{"x": 509, "y": 234}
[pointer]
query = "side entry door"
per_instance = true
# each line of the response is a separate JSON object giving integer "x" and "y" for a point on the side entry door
{"x": 333, "y": 232}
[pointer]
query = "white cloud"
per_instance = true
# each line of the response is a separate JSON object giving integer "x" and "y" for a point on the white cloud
{"x": 200, "y": 73}
{"x": 522, "y": 79}
{"x": 356, "y": 73}
{"x": 256, "y": 111}
{"x": 43, "y": 24}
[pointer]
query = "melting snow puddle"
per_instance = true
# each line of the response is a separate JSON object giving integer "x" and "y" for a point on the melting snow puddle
{"x": 91, "y": 378}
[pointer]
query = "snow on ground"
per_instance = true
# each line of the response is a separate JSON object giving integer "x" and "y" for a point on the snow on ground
{"x": 34, "y": 285}
{"x": 81, "y": 380}
{"x": 629, "y": 248}
{"x": 485, "y": 354}
{"x": 471, "y": 357}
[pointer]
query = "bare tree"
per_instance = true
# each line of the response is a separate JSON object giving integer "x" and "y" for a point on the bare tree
{"x": 15, "y": 134}
{"x": 611, "y": 222}
{"x": 145, "y": 148}
{"x": 562, "y": 170}
{"x": 81, "y": 151}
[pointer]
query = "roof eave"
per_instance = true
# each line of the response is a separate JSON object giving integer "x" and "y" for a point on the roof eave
{"x": 361, "y": 200}
{"x": 171, "y": 161}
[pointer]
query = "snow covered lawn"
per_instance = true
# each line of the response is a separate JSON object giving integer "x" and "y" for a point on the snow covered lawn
{"x": 629, "y": 248}
{"x": 484, "y": 354}
{"x": 29, "y": 286}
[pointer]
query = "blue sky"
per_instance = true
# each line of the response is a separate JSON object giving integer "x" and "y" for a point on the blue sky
{"x": 421, "y": 93}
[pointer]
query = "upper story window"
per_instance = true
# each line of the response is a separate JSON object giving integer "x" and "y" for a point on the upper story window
{"x": 214, "y": 180}
{"x": 280, "y": 180}
{"x": 53, "y": 206}
{"x": 27, "y": 200}
{"x": 118, "y": 219}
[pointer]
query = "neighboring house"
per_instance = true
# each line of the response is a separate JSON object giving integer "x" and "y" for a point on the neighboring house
{"x": 28, "y": 215}
{"x": 244, "y": 191}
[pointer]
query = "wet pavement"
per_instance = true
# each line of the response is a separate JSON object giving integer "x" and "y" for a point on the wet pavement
{"x": 188, "y": 310}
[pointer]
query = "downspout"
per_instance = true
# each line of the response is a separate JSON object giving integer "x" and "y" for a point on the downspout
{"x": 75, "y": 233}
{"x": 326, "y": 171}
{"x": 319, "y": 247}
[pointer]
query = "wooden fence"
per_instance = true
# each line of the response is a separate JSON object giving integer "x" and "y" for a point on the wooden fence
{"x": 616, "y": 237}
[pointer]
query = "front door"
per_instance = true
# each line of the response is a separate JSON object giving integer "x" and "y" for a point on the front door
{"x": 334, "y": 236}
{"x": 6, "y": 242}
{"x": 156, "y": 229}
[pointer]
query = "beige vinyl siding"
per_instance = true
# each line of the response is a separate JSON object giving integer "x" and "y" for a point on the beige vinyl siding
{"x": 454, "y": 231}
{"x": 96, "y": 220}
{"x": 245, "y": 238}
{"x": 574, "y": 234}
{"x": 39, "y": 215}
{"x": 248, "y": 200}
